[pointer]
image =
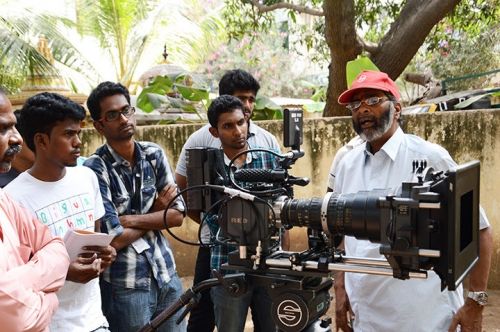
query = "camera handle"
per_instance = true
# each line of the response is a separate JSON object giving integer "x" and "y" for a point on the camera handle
{"x": 235, "y": 284}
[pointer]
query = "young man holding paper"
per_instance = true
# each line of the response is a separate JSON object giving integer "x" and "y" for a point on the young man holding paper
{"x": 64, "y": 198}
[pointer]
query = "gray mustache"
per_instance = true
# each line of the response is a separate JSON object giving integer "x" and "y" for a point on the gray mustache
{"x": 12, "y": 150}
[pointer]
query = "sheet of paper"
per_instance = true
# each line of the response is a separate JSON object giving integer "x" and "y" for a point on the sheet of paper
{"x": 75, "y": 240}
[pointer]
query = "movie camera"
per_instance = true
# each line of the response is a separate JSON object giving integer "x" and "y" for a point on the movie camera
{"x": 428, "y": 224}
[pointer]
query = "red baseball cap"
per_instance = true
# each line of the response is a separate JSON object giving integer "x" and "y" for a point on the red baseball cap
{"x": 370, "y": 79}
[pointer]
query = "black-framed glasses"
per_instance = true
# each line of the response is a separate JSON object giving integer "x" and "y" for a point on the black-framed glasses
{"x": 114, "y": 115}
{"x": 370, "y": 101}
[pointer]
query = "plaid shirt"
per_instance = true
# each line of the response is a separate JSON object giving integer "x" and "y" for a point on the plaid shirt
{"x": 219, "y": 252}
{"x": 127, "y": 191}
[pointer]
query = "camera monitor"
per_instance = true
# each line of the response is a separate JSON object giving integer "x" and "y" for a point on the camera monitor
{"x": 292, "y": 131}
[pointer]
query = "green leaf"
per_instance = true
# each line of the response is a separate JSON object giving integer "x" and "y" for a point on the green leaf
{"x": 266, "y": 114}
{"x": 316, "y": 107}
{"x": 355, "y": 67}
{"x": 266, "y": 109}
{"x": 149, "y": 101}
{"x": 160, "y": 86}
{"x": 180, "y": 104}
{"x": 144, "y": 101}
{"x": 263, "y": 102}
{"x": 158, "y": 100}
{"x": 191, "y": 93}
{"x": 319, "y": 95}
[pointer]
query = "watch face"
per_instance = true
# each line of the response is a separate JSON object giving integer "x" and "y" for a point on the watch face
{"x": 482, "y": 298}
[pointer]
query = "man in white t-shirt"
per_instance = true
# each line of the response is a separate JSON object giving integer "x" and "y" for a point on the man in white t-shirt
{"x": 64, "y": 197}
{"x": 244, "y": 86}
{"x": 385, "y": 161}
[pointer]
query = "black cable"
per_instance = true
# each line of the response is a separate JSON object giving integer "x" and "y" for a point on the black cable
{"x": 203, "y": 220}
{"x": 201, "y": 186}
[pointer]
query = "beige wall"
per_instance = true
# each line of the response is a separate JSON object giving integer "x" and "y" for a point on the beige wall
{"x": 466, "y": 135}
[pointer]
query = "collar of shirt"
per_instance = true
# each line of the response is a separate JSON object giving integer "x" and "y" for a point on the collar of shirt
{"x": 251, "y": 129}
{"x": 248, "y": 160}
{"x": 119, "y": 160}
{"x": 391, "y": 147}
{"x": 250, "y": 156}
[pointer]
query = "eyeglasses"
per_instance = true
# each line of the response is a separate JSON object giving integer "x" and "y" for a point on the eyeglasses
{"x": 114, "y": 115}
{"x": 370, "y": 101}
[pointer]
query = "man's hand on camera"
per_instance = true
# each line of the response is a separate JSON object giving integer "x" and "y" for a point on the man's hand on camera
{"x": 106, "y": 254}
{"x": 469, "y": 317}
{"x": 164, "y": 197}
{"x": 343, "y": 312}
{"x": 84, "y": 269}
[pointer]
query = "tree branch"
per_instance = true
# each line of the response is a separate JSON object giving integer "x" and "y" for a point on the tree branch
{"x": 368, "y": 46}
{"x": 280, "y": 5}
{"x": 408, "y": 32}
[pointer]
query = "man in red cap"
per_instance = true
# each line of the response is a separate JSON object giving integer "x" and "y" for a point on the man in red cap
{"x": 385, "y": 161}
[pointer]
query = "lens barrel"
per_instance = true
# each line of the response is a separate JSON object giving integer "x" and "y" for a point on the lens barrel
{"x": 355, "y": 214}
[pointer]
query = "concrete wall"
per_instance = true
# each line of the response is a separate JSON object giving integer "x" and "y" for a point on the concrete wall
{"x": 466, "y": 135}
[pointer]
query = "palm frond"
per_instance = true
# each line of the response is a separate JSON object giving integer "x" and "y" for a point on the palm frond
{"x": 19, "y": 34}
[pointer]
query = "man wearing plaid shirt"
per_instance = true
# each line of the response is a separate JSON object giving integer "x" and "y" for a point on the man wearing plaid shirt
{"x": 136, "y": 181}
{"x": 228, "y": 123}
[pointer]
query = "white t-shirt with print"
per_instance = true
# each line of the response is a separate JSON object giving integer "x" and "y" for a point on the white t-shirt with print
{"x": 72, "y": 202}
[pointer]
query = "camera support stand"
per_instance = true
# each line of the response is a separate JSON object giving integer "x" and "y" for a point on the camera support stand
{"x": 292, "y": 298}
{"x": 235, "y": 284}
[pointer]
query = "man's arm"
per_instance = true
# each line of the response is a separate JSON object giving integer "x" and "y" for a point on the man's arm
{"x": 343, "y": 313}
{"x": 27, "y": 295}
{"x": 127, "y": 237}
{"x": 164, "y": 197}
{"x": 33, "y": 315}
{"x": 135, "y": 226}
{"x": 155, "y": 220}
{"x": 480, "y": 273}
{"x": 469, "y": 316}
{"x": 152, "y": 221}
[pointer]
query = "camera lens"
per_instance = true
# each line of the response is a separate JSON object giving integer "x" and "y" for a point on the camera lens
{"x": 355, "y": 215}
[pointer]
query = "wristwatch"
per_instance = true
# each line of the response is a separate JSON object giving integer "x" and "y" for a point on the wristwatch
{"x": 480, "y": 297}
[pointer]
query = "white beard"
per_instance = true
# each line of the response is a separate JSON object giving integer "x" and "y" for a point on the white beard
{"x": 384, "y": 125}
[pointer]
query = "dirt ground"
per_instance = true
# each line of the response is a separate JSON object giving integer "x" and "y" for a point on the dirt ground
{"x": 491, "y": 315}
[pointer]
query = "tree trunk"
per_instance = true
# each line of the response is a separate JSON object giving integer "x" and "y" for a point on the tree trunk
{"x": 395, "y": 50}
{"x": 340, "y": 33}
{"x": 408, "y": 33}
